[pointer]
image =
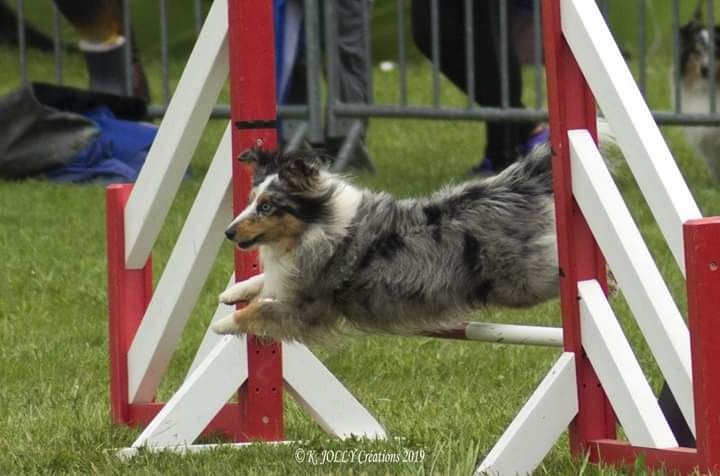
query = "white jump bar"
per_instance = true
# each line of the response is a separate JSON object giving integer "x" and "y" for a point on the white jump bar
{"x": 503, "y": 334}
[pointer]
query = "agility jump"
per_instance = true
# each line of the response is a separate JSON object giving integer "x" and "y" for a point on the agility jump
{"x": 595, "y": 379}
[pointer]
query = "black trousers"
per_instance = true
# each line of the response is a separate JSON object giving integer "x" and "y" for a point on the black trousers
{"x": 503, "y": 138}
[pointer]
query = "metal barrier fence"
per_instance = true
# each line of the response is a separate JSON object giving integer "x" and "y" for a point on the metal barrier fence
{"x": 334, "y": 115}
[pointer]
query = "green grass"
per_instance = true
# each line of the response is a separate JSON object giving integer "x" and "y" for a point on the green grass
{"x": 451, "y": 400}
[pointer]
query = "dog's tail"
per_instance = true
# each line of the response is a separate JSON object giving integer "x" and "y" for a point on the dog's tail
{"x": 532, "y": 173}
{"x": 537, "y": 163}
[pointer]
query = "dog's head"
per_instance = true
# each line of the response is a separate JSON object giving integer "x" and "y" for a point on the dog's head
{"x": 695, "y": 51}
{"x": 289, "y": 194}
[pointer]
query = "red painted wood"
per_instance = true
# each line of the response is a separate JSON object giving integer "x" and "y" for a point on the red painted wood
{"x": 252, "y": 98}
{"x": 226, "y": 423}
{"x": 702, "y": 264}
{"x": 129, "y": 293}
{"x": 621, "y": 453}
{"x": 572, "y": 106}
{"x": 457, "y": 332}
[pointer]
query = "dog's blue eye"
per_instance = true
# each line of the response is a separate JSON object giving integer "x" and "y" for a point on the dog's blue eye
{"x": 265, "y": 208}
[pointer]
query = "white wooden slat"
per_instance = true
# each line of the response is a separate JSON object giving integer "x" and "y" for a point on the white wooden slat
{"x": 177, "y": 138}
{"x": 637, "y": 134}
{"x": 182, "y": 279}
{"x": 316, "y": 389}
{"x": 633, "y": 267}
{"x": 619, "y": 372}
{"x": 211, "y": 338}
{"x": 199, "y": 398}
{"x": 538, "y": 425}
{"x": 322, "y": 395}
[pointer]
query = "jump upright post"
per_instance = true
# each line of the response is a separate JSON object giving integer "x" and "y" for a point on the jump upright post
{"x": 253, "y": 122}
{"x": 579, "y": 257}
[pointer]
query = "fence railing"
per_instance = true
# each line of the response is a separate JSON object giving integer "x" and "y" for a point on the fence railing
{"x": 326, "y": 110}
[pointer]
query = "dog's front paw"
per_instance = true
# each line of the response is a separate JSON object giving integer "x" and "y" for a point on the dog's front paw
{"x": 226, "y": 325}
{"x": 231, "y": 296}
{"x": 242, "y": 291}
{"x": 238, "y": 293}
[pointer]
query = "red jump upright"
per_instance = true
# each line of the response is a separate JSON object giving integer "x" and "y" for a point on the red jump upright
{"x": 129, "y": 292}
{"x": 572, "y": 106}
{"x": 253, "y": 109}
{"x": 259, "y": 413}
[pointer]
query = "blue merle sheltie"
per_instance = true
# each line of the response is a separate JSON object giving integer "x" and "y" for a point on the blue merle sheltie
{"x": 336, "y": 257}
{"x": 695, "y": 86}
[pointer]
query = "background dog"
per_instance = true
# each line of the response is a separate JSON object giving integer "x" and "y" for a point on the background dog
{"x": 332, "y": 253}
{"x": 695, "y": 87}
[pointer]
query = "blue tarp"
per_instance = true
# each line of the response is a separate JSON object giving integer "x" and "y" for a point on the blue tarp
{"x": 116, "y": 155}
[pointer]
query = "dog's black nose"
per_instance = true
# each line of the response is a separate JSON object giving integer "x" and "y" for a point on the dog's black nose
{"x": 230, "y": 233}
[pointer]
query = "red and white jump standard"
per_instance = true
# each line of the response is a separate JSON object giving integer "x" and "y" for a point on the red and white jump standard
{"x": 597, "y": 381}
{"x": 145, "y": 325}
{"x": 584, "y": 66}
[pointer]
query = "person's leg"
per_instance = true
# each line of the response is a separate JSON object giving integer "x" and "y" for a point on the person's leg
{"x": 353, "y": 28}
{"x": 451, "y": 41}
{"x": 503, "y": 138}
{"x": 353, "y": 23}
{"x": 353, "y": 31}
{"x": 100, "y": 25}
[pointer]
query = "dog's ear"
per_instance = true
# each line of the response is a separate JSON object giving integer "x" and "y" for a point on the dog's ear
{"x": 698, "y": 13}
{"x": 265, "y": 162}
{"x": 300, "y": 173}
{"x": 257, "y": 156}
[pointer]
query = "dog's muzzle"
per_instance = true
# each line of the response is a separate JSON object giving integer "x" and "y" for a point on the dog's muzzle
{"x": 231, "y": 235}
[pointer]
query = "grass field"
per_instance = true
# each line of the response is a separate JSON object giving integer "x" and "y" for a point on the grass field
{"x": 451, "y": 400}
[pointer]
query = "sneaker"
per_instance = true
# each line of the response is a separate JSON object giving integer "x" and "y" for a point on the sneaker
{"x": 540, "y": 136}
{"x": 482, "y": 169}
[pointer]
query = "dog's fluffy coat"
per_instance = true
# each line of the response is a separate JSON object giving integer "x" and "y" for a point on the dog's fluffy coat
{"x": 333, "y": 254}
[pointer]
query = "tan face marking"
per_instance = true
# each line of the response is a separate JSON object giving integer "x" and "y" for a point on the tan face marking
{"x": 282, "y": 230}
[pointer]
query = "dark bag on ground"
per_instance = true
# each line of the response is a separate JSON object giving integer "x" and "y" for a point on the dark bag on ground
{"x": 72, "y": 135}
{"x": 35, "y": 138}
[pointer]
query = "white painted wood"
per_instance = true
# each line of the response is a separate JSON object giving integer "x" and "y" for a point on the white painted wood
{"x": 514, "y": 334}
{"x": 620, "y": 374}
{"x": 322, "y": 395}
{"x": 211, "y": 338}
{"x": 315, "y": 388}
{"x": 177, "y": 138}
{"x": 538, "y": 425}
{"x": 633, "y": 267}
{"x": 131, "y": 452}
{"x": 637, "y": 134}
{"x": 182, "y": 279}
{"x": 200, "y": 397}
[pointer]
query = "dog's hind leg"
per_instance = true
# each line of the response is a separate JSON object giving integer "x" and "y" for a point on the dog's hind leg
{"x": 243, "y": 291}
{"x": 252, "y": 319}
{"x": 239, "y": 321}
{"x": 265, "y": 318}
